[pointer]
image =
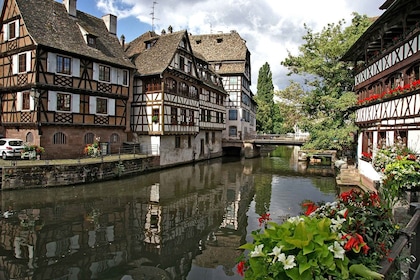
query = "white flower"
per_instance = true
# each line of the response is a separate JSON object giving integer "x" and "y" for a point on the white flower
{"x": 288, "y": 262}
{"x": 337, "y": 250}
{"x": 336, "y": 223}
{"x": 276, "y": 252}
{"x": 257, "y": 251}
{"x": 295, "y": 220}
{"x": 342, "y": 212}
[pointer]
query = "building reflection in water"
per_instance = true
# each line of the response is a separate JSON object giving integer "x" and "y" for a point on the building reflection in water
{"x": 160, "y": 223}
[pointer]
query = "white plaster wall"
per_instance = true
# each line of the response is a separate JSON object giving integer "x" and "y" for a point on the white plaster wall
{"x": 170, "y": 155}
{"x": 413, "y": 141}
{"x": 366, "y": 168}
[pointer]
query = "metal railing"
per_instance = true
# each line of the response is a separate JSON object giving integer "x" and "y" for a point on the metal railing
{"x": 410, "y": 236}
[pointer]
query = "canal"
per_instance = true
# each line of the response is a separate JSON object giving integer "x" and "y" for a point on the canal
{"x": 180, "y": 223}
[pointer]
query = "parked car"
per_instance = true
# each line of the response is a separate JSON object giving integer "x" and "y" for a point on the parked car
{"x": 11, "y": 147}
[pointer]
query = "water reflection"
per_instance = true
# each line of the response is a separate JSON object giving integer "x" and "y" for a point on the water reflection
{"x": 181, "y": 223}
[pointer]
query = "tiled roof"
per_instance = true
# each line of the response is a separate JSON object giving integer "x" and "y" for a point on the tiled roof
{"x": 156, "y": 59}
{"x": 227, "y": 48}
{"x": 49, "y": 24}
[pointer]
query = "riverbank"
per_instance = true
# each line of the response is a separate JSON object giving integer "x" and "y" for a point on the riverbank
{"x": 24, "y": 174}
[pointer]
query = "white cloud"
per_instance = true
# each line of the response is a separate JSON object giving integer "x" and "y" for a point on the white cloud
{"x": 270, "y": 27}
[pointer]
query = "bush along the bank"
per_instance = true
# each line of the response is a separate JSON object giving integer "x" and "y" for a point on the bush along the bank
{"x": 345, "y": 239}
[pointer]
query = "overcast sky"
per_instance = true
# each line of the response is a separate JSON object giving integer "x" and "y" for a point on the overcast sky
{"x": 270, "y": 27}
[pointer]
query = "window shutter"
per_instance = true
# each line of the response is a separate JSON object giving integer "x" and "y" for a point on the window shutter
{"x": 111, "y": 107}
{"x": 76, "y": 67}
{"x": 31, "y": 102}
{"x": 52, "y": 101}
{"x": 92, "y": 105}
{"x": 6, "y": 32}
{"x": 75, "y": 103}
{"x": 51, "y": 62}
{"x": 17, "y": 28}
{"x": 28, "y": 61}
{"x": 95, "y": 71}
{"x": 114, "y": 75}
{"x": 15, "y": 64}
{"x": 19, "y": 97}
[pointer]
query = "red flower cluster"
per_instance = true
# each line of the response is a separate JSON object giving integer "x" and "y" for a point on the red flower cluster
{"x": 310, "y": 207}
{"x": 367, "y": 155}
{"x": 391, "y": 92}
{"x": 354, "y": 195}
{"x": 355, "y": 242}
{"x": 264, "y": 218}
{"x": 241, "y": 268}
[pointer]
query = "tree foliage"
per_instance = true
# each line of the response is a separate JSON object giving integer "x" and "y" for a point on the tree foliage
{"x": 325, "y": 105}
{"x": 267, "y": 113}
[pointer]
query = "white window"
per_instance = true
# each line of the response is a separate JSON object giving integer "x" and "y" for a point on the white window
{"x": 21, "y": 62}
{"x": 63, "y": 65}
{"x": 102, "y": 106}
{"x": 122, "y": 78}
{"x": 11, "y": 30}
{"x": 24, "y": 101}
{"x": 63, "y": 102}
{"x": 104, "y": 73}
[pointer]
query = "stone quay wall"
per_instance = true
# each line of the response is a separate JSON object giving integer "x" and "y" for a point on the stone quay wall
{"x": 37, "y": 176}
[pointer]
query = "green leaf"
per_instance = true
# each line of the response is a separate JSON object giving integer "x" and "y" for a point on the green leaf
{"x": 308, "y": 249}
{"x": 301, "y": 236}
{"x": 247, "y": 246}
{"x": 366, "y": 273}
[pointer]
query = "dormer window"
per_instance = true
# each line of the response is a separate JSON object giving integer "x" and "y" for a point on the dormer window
{"x": 150, "y": 44}
{"x": 91, "y": 40}
{"x": 11, "y": 30}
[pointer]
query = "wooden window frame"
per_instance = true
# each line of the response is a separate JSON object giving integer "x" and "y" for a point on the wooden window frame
{"x": 63, "y": 64}
{"x": 104, "y": 73}
{"x": 26, "y": 100}
{"x": 101, "y": 106}
{"x": 22, "y": 63}
{"x": 63, "y": 102}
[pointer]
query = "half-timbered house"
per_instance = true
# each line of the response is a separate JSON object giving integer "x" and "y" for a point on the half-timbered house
{"x": 65, "y": 79}
{"x": 177, "y": 108}
{"x": 387, "y": 81}
{"x": 231, "y": 59}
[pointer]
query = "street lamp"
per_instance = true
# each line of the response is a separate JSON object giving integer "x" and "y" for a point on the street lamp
{"x": 35, "y": 94}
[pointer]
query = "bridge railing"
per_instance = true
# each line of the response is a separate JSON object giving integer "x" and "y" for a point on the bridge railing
{"x": 294, "y": 136}
{"x": 410, "y": 236}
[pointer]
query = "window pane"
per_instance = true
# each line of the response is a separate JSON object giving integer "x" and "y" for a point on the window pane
{"x": 63, "y": 102}
{"x": 26, "y": 100}
{"x": 101, "y": 106}
{"x": 63, "y": 65}
{"x": 22, "y": 63}
{"x": 104, "y": 73}
{"x": 12, "y": 30}
{"x": 233, "y": 114}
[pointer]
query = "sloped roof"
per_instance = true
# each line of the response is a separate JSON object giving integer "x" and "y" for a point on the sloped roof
{"x": 49, "y": 24}
{"x": 228, "y": 48}
{"x": 156, "y": 59}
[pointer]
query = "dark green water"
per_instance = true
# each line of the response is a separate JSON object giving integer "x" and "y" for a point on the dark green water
{"x": 181, "y": 223}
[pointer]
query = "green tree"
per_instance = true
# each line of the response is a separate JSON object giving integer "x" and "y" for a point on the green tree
{"x": 326, "y": 103}
{"x": 290, "y": 106}
{"x": 267, "y": 113}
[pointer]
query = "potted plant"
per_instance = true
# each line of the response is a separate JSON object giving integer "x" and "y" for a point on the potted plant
{"x": 32, "y": 151}
{"x": 155, "y": 119}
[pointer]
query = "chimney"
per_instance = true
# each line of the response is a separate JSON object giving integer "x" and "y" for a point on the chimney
{"x": 70, "y": 6}
{"x": 122, "y": 41}
{"x": 111, "y": 23}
